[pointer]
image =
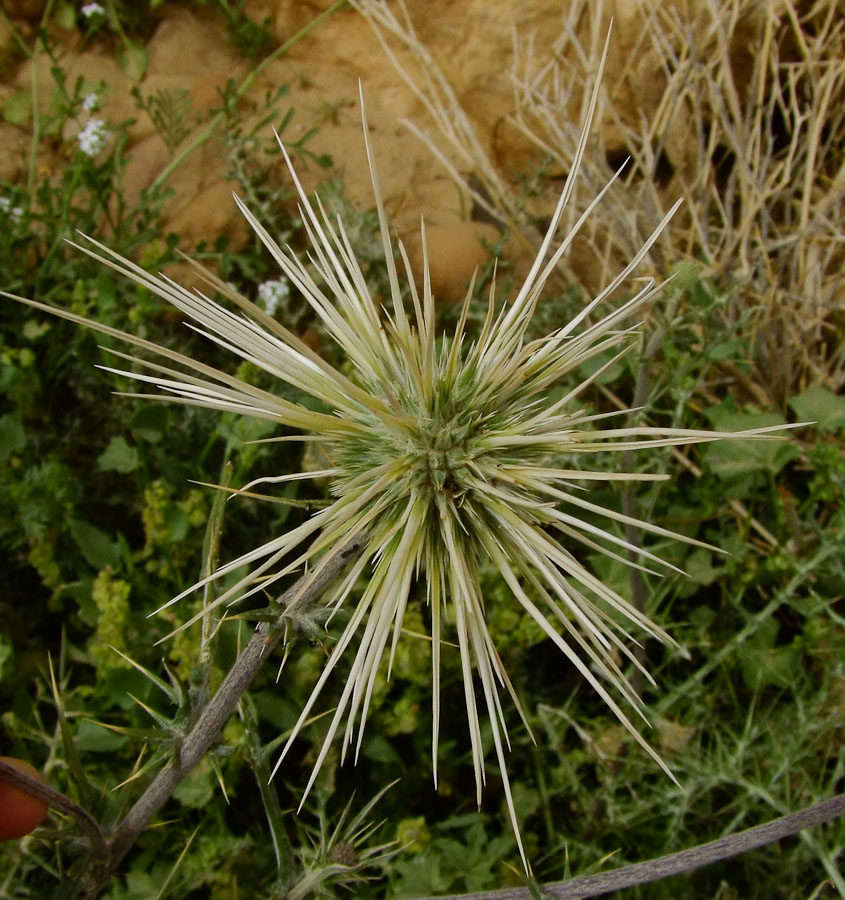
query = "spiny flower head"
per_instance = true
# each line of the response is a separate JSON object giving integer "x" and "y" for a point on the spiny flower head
{"x": 446, "y": 458}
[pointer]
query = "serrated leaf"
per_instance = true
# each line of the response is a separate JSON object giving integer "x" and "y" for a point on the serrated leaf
{"x": 733, "y": 460}
{"x": 700, "y": 569}
{"x": 819, "y": 405}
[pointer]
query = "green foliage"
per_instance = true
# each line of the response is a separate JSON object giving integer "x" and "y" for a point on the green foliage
{"x": 250, "y": 37}
{"x": 171, "y": 112}
{"x": 463, "y": 856}
{"x": 820, "y": 407}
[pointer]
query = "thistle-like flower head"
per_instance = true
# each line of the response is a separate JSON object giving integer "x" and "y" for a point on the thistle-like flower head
{"x": 446, "y": 456}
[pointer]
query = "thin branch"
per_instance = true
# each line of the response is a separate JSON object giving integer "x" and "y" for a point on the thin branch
{"x": 57, "y": 800}
{"x": 206, "y": 731}
{"x": 678, "y": 863}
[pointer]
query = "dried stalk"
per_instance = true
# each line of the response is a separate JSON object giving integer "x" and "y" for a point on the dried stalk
{"x": 738, "y": 107}
{"x": 673, "y": 863}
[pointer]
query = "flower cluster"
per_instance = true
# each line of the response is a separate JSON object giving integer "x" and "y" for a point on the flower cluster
{"x": 14, "y": 213}
{"x": 93, "y": 137}
{"x": 92, "y": 10}
{"x": 447, "y": 457}
{"x": 273, "y": 293}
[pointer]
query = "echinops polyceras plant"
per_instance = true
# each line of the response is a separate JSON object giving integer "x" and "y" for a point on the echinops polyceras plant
{"x": 446, "y": 456}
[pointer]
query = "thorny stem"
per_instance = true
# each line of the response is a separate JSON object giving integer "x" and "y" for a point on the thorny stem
{"x": 206, "y": 731}
{"x": 674, "y": 863}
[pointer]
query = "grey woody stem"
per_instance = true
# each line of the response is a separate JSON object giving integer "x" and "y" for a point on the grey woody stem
{"x": 206, "y": 731}
{"x": 674, "y": 863}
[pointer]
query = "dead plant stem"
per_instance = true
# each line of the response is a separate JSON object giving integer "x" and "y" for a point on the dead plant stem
{"x": 678, "y": 863}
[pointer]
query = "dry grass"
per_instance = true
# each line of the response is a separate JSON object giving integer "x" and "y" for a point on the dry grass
{"x": 738, "y": 107}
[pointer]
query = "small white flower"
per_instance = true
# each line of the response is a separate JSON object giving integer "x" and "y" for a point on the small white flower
{"x": 272, "y": 293}
{"x": 93, "y": 137}
{"x": 90, "y": 10}
{"x": 14, "y": 213}
{"x": 90, "y": 102}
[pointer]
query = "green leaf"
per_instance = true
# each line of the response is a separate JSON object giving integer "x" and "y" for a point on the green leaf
{"x": 376, "y": 748}
{"x": 118, "y": 457}
{"x": 33, "y": 329}
{"x": 65, "y": 16}
{"x": 176, "y": 523}
{"x": 17, "y": 109}
{"x": 198, "y": 788}
{"x": 700, "y": 569}
{"x": 7, "y": 654}
{"x": 106, "y": 291}
{"x": 94, "y": 544}
{"x": 732, "y": 459}
{"x": 819, "y": 405}
{"x": 132, "y": 60}
{"x": 150, "y": 423}
{"x": 119, "y": 685}
{"x": 763, "y": 664}
{"x": 95, "y": 738}
{"x": 12, "y": 436}
{"x": 81, "y": 594}
{"x": 594, "y": 363}
{"x": 728, "y": 349}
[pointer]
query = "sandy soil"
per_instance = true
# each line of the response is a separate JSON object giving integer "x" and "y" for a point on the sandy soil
{"x": 471, "y": 42}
